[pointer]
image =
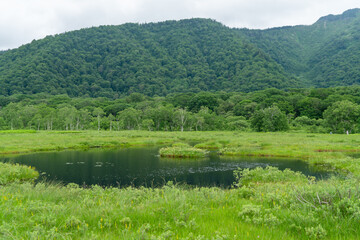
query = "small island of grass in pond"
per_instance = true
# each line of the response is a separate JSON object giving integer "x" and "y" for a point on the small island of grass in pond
{"x": 182, "y": 150}
{"x": 209, "y": 145}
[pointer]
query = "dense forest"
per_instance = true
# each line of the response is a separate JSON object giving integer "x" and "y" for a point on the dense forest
{"x": 334, "y": 110}
{"x": 153, "y": 59}
{"x": 325, "y": 54}
{"x": 186, "y": 56}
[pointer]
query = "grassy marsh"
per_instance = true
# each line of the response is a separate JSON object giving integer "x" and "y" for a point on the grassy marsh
{"x": 265, "y": 204}
{"x": 322, "y": 150}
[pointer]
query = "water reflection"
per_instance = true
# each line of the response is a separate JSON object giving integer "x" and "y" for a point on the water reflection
{"x": 143, "y": 167}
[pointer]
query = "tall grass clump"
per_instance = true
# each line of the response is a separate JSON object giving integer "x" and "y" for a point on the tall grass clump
{"x": 182, "y": 150}
{"x": 241, "y": 151}
{"x": 267, "y": 175}
{"x": 16, "y": 173}
{"x": 209, "y": 145}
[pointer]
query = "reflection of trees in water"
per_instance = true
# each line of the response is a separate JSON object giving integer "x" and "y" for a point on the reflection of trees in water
{"x": 143, "y": 167}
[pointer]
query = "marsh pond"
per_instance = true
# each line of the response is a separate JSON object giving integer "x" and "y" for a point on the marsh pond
{"x": 144, "y": 167}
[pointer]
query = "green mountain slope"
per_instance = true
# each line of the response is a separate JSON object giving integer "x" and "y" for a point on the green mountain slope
{"x": 186, "y": 56}
{"x": 154, "y": 59}
{"x": 324, "y": 54}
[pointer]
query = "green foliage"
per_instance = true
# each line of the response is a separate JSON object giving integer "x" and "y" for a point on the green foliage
{"x": 309, "y": 125}
{"x": 245, "y": 108}
{"x": 324, "y": 54}
{"x": 186, "y": 56}
{"x": 148, "y": 59}
{"x": 342, "y": 116}
{"x": 304, "y": 109}
{"x": 269, "y": 120}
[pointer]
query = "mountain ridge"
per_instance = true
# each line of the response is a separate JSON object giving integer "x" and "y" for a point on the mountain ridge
{"x": 155, "y": 59}
{"x": 189, "y": 55}
{"x": 304, "y": 50}
{"x": 348, "y": 14}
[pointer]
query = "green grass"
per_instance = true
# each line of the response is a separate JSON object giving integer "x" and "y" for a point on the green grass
{"x": 265, "y": 204}
{"x": 16, "y": 131}
{"x": 270, "y": 204}
{"x": 182, "y": 150}
{"x": 326, "y": 209}
{"x": 320, "y": 150}
{"x": 267, "y": 175}
{"x": 211, "y": 145}
{"x": 56, "y": 212}
{"x": 16, "y": 173}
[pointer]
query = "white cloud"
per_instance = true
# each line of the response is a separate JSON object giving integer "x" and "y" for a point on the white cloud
{"x": 22, "y": 20}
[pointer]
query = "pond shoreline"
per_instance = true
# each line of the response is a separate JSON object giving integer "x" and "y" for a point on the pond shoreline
{"x": 142, "y": 166}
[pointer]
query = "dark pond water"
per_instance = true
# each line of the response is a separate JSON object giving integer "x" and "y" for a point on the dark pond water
{"x": 143, "y": 167}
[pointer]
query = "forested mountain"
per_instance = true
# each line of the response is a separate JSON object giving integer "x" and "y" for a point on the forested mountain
{"x": 185, "y": 56}
{"x": 324, "y": 54}
{"x": 154, "y": 59}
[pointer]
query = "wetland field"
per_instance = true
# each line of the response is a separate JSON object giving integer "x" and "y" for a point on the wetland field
{"x": 262, "y": 200}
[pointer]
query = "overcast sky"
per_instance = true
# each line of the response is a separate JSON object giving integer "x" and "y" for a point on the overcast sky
{"x": 21, "y": 21}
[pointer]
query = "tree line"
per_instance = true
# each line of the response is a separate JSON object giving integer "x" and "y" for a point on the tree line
{"x": 314, "y": 110}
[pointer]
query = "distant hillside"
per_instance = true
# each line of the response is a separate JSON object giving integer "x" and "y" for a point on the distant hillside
{"x": 186, "y": 56}
{"x": 324, "y": 54}
{"x": 154, "y": 59}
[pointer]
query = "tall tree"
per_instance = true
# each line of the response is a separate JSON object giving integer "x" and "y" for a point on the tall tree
{"x": 181, "y": 116}
{"x": 269, "y": 120}
{"x": 342, "y": 116}
{"x": 98, "y": 112}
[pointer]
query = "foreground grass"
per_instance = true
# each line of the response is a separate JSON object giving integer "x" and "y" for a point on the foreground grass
{"x": 55, "y": 212}
{"x": 267, "y": 204}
